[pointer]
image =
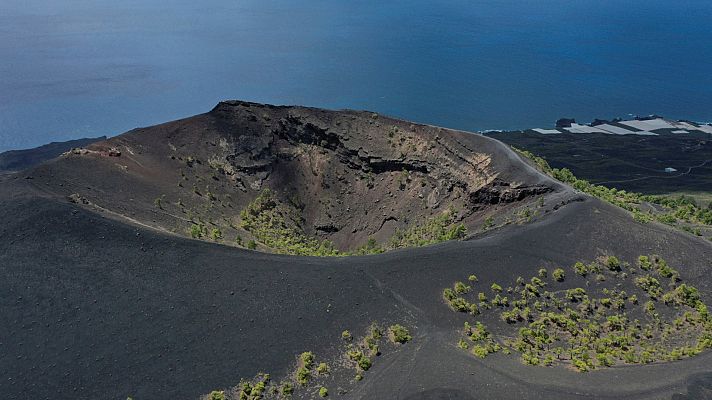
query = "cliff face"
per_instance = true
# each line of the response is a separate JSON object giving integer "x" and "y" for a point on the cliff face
{"x": 346, "y": 176}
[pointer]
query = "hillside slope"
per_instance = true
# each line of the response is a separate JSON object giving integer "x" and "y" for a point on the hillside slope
{"x": 99, "y": 309}
{"x": 341, "y": 176}
{"x": 101, "y": 300}
{"x": 17, "y": 160}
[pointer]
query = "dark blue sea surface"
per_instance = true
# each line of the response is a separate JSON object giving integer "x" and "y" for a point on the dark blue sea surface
{"x": 78, "y": 68}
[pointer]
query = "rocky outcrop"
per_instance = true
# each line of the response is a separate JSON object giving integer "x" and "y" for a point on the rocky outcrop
{"x": 503, "y": 192}
{"x": 347, "y": 176}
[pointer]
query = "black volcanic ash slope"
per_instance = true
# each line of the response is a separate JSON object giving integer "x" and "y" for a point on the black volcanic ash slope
{"x": 17, "y": 160}
{"x": 94, "y": 307}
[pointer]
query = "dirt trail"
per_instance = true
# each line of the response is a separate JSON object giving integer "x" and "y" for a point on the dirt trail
{"x": 689, "y": 170}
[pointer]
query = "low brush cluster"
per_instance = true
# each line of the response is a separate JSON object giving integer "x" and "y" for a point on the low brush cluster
{"x": 311, "y": 376}
{"x": 681, "y": 212}
{"x": 276, "y": 225}
{"x": 599, "y": 325}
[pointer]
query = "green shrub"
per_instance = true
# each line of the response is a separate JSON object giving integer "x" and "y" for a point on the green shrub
{"x": 270, "y": 221}
{"x": 683, "y": 295}
{"x": 460, "y": 304}
{"x": 542, "y": 273}
{"x": 665, "y": 270}
{"x": 217, "y": 395}
{"x": 613, "y": 263}
{"x": 303, "y": 376}
{"x": 287, "y": 389}
{"x": 323, "y": 392}
{"x": 644, "y": 263}
{"x": 472, "y": 278}
{"x": 537, "y": 282}
{"x": 576, "y": 294}
{"x": 461, "y": 288}
{"x": 197, "y": 231}
{"x": 307, "y": 359}
{"x": 559, "y": 275}
{"x": 258, "y": 389}
{"x": 364, "y": 363}
{"x": 322, "y": 369}
{"x": 496, "y": 288}
{"x": 650, "y": 285}
{"x": 449, "y": 294}
{"x": 581, "y": 268}
{"x": 399, "y": 334}
{"x": 346, "y": 336}
{"x": 371, "y": 247}
{"x": 595, "y": 332}
{"x": 215, "y": 234}
{"x": 375, "y": 331}
{"x": 251, "y": 245}
{"x": 434, "y": 230}
{"x": 479, "y": 351}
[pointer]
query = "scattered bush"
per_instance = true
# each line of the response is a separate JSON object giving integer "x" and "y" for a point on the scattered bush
{"x": 399, "y": 334}
{"x": 364, "y": 363}
{"x": 581, "y": 268}
{"x": 286, "y": 389}
{"x": 307, "y": 359}
{"x": 461, "y": 288}
{"x": 595, "y": 332}
{"x": 268, "y": 220}
{"x": 613, "y": 263}
{"x": 680, "y": 208}
{"x": 217, "y": 395}
{"x": 644, "y": 263}
{"x": 434, "y": 230}
{"x": 559, "y": 275}
{"x": 215, "y": 234}
{"x": 197, "y": 231}
{"x": 303, "y": 376}
{"x": 488, "y": 223}
{"x": 322, "y": 369}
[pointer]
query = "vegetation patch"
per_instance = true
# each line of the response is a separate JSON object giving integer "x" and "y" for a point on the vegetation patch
{"x": 435, "y": 230}
{"x": 277, "y": 226}
{"x": 681, "y": 212}
{"x": 399, "y": 334}
{"x": 361, "y": 353}
{"x": 638, "y": 314}
{"x": 311, "y": 375}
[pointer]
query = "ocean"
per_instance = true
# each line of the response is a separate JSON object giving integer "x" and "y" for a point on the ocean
{"x": 84, "y": 68}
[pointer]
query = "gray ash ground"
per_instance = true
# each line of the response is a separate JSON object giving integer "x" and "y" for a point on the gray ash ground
{"x": 99, "y": 306}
